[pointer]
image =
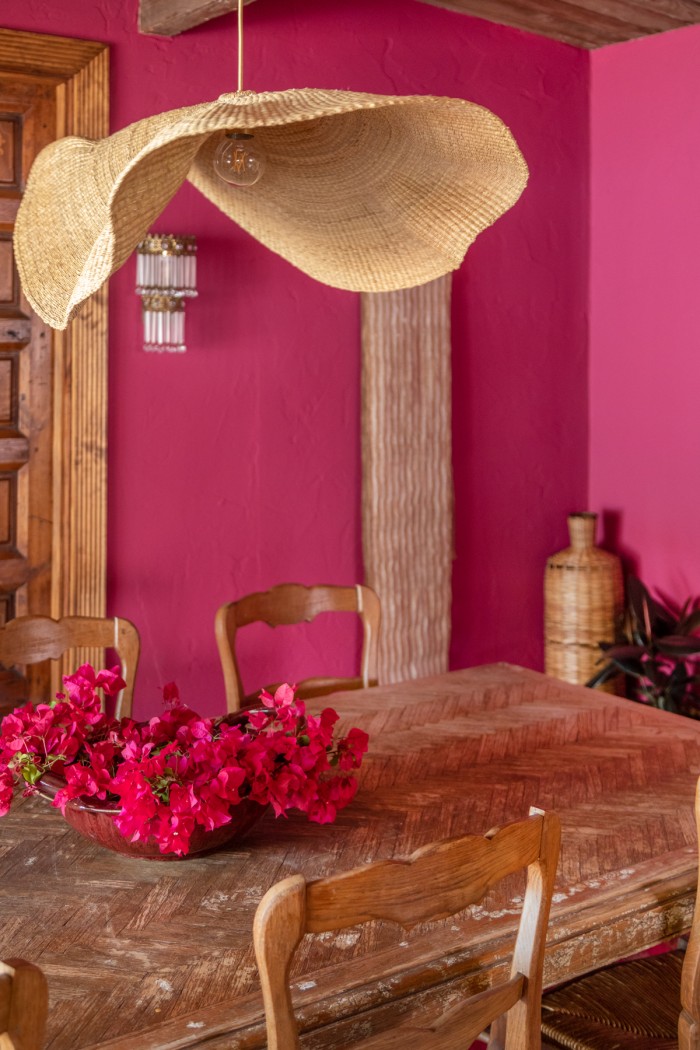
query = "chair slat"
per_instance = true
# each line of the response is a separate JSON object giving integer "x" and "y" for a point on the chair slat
{"x": 459, "y": 873}
{"x": 292, "y": 603}
{"x": 456, "y": 1028}
{"x": 435, "y": 882}
{"x": 31, "y": 639}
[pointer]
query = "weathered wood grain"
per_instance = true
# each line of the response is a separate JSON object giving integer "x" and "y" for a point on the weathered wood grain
{"x": 165, "y": 949}
{"x": 170, "y": 17}
{"x": 583, "y": 23}
{"x": 58, "y": 57}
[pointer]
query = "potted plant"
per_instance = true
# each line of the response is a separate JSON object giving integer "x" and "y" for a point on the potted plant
{"x": 179, "y": 783}
{"x": 658, "y": 653}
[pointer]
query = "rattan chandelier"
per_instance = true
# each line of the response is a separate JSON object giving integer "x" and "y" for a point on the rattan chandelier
{"x": 365, "y": 192}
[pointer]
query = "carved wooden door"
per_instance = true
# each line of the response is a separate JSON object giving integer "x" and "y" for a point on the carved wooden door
{"x": 53, "y": 385}
{"x": 27, "y": 119}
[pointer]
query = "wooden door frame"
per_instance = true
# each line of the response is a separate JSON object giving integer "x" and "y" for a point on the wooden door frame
{"x": 80, "y": 71}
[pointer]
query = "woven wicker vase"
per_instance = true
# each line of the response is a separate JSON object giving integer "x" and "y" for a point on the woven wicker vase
{"x": 583, "y": 604}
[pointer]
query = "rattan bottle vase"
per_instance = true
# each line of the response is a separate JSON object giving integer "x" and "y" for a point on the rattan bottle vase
{"x": 583, "y": 597}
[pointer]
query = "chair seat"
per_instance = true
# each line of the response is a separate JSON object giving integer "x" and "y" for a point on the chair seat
{"x": 630, "y": 1006}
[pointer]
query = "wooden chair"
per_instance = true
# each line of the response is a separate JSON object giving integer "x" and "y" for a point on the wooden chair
{"x": 433, "y": 883}
{"x": 649, "y": 1003}
{"x": 23, "y": 1006}
{"x": 291, "y": 603}
{"x": 31, "y": 639}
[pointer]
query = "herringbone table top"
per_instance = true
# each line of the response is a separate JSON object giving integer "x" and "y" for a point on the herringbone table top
{"x": 150, "y": 955}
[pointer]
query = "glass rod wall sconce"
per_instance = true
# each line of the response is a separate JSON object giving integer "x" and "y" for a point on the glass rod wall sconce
{"x": 166, "y": 275}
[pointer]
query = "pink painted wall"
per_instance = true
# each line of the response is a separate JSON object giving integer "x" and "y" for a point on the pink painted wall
{"x": 237, "y": 465}
{"x": 645, "y": 304}
{"x": 520, "y": 359}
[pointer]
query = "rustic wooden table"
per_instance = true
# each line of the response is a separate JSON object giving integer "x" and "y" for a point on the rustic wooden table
{"x": 163, "y": 949}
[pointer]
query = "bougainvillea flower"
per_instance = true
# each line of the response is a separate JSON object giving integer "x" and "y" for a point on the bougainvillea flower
{"x": 179, "y": 770}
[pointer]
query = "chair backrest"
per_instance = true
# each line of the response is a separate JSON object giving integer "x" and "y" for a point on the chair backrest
{"x": 433, "y": 883}
{"x": 31, "y": 639}
{"x": 23, "y": 1006}
{"x": 689, "y": 1020}
{"x": 291, "y": 603}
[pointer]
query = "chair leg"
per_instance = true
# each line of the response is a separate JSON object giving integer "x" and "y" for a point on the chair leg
{"x": 24, "y": 1005}
{"x": 688, "y": 1032}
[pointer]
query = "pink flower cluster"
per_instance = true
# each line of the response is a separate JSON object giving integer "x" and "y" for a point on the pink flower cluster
{"x": 180, "y": 770}
{"x": 51, "y": 736}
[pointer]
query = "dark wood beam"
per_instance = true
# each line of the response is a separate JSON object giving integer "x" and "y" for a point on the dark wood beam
{"x": 583, "y": 23}
{"x": 170, "y": 17}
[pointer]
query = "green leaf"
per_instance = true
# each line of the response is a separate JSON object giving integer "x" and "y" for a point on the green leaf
{"x": 602, "y": 676}
{"x": 632, "y": 667}
{"x": 31, "y": 773}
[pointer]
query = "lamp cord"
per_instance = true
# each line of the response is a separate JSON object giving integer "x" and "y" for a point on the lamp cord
{"x": 240, "y": 45}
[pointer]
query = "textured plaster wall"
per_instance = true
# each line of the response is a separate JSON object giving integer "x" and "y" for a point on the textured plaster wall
{"x": 237, "y": 465}
{"x": 645, "y": 317}
{"x": 520, "y": 356}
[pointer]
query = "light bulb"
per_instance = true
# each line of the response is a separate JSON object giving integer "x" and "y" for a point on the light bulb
{"x": 237, "y": 160}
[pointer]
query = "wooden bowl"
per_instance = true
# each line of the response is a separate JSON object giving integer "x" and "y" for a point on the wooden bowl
{"x": 95, "y": 820}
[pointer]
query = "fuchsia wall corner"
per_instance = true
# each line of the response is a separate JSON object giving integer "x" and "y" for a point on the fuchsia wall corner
{"x": 645, "y": 304}
{"x": 237, "y": 464}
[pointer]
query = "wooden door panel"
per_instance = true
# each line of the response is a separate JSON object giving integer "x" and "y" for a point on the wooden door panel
{"x": 8, "y": 388}
{"x": 8, "y": 274}
{"x": 53, "y": 486}
{"x": 10, "y": 150}
{"x": 27, "y": 123}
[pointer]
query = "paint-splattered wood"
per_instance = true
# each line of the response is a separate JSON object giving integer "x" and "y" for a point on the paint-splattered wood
{"x": 133, "y": 945}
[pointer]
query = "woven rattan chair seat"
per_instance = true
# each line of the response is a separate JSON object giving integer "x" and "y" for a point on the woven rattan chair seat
{"x": 631, "y": 1006}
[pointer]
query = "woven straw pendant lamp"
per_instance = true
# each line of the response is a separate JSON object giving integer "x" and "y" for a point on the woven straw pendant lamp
{"x": 369, "y": 193}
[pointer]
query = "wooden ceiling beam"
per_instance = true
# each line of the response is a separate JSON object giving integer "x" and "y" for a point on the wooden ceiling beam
{"x": 583, "y": 23}
{"x": 171, "y": 17}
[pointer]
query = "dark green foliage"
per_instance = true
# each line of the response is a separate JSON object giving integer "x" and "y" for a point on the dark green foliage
{"x": 658, "y": 652}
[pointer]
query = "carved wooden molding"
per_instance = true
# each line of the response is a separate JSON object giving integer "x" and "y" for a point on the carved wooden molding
{"x": 407, "y": 502}
{"x": 80, "y": 72}
{"x": 52, "y": 56}
{"x": 170, "y": 17}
